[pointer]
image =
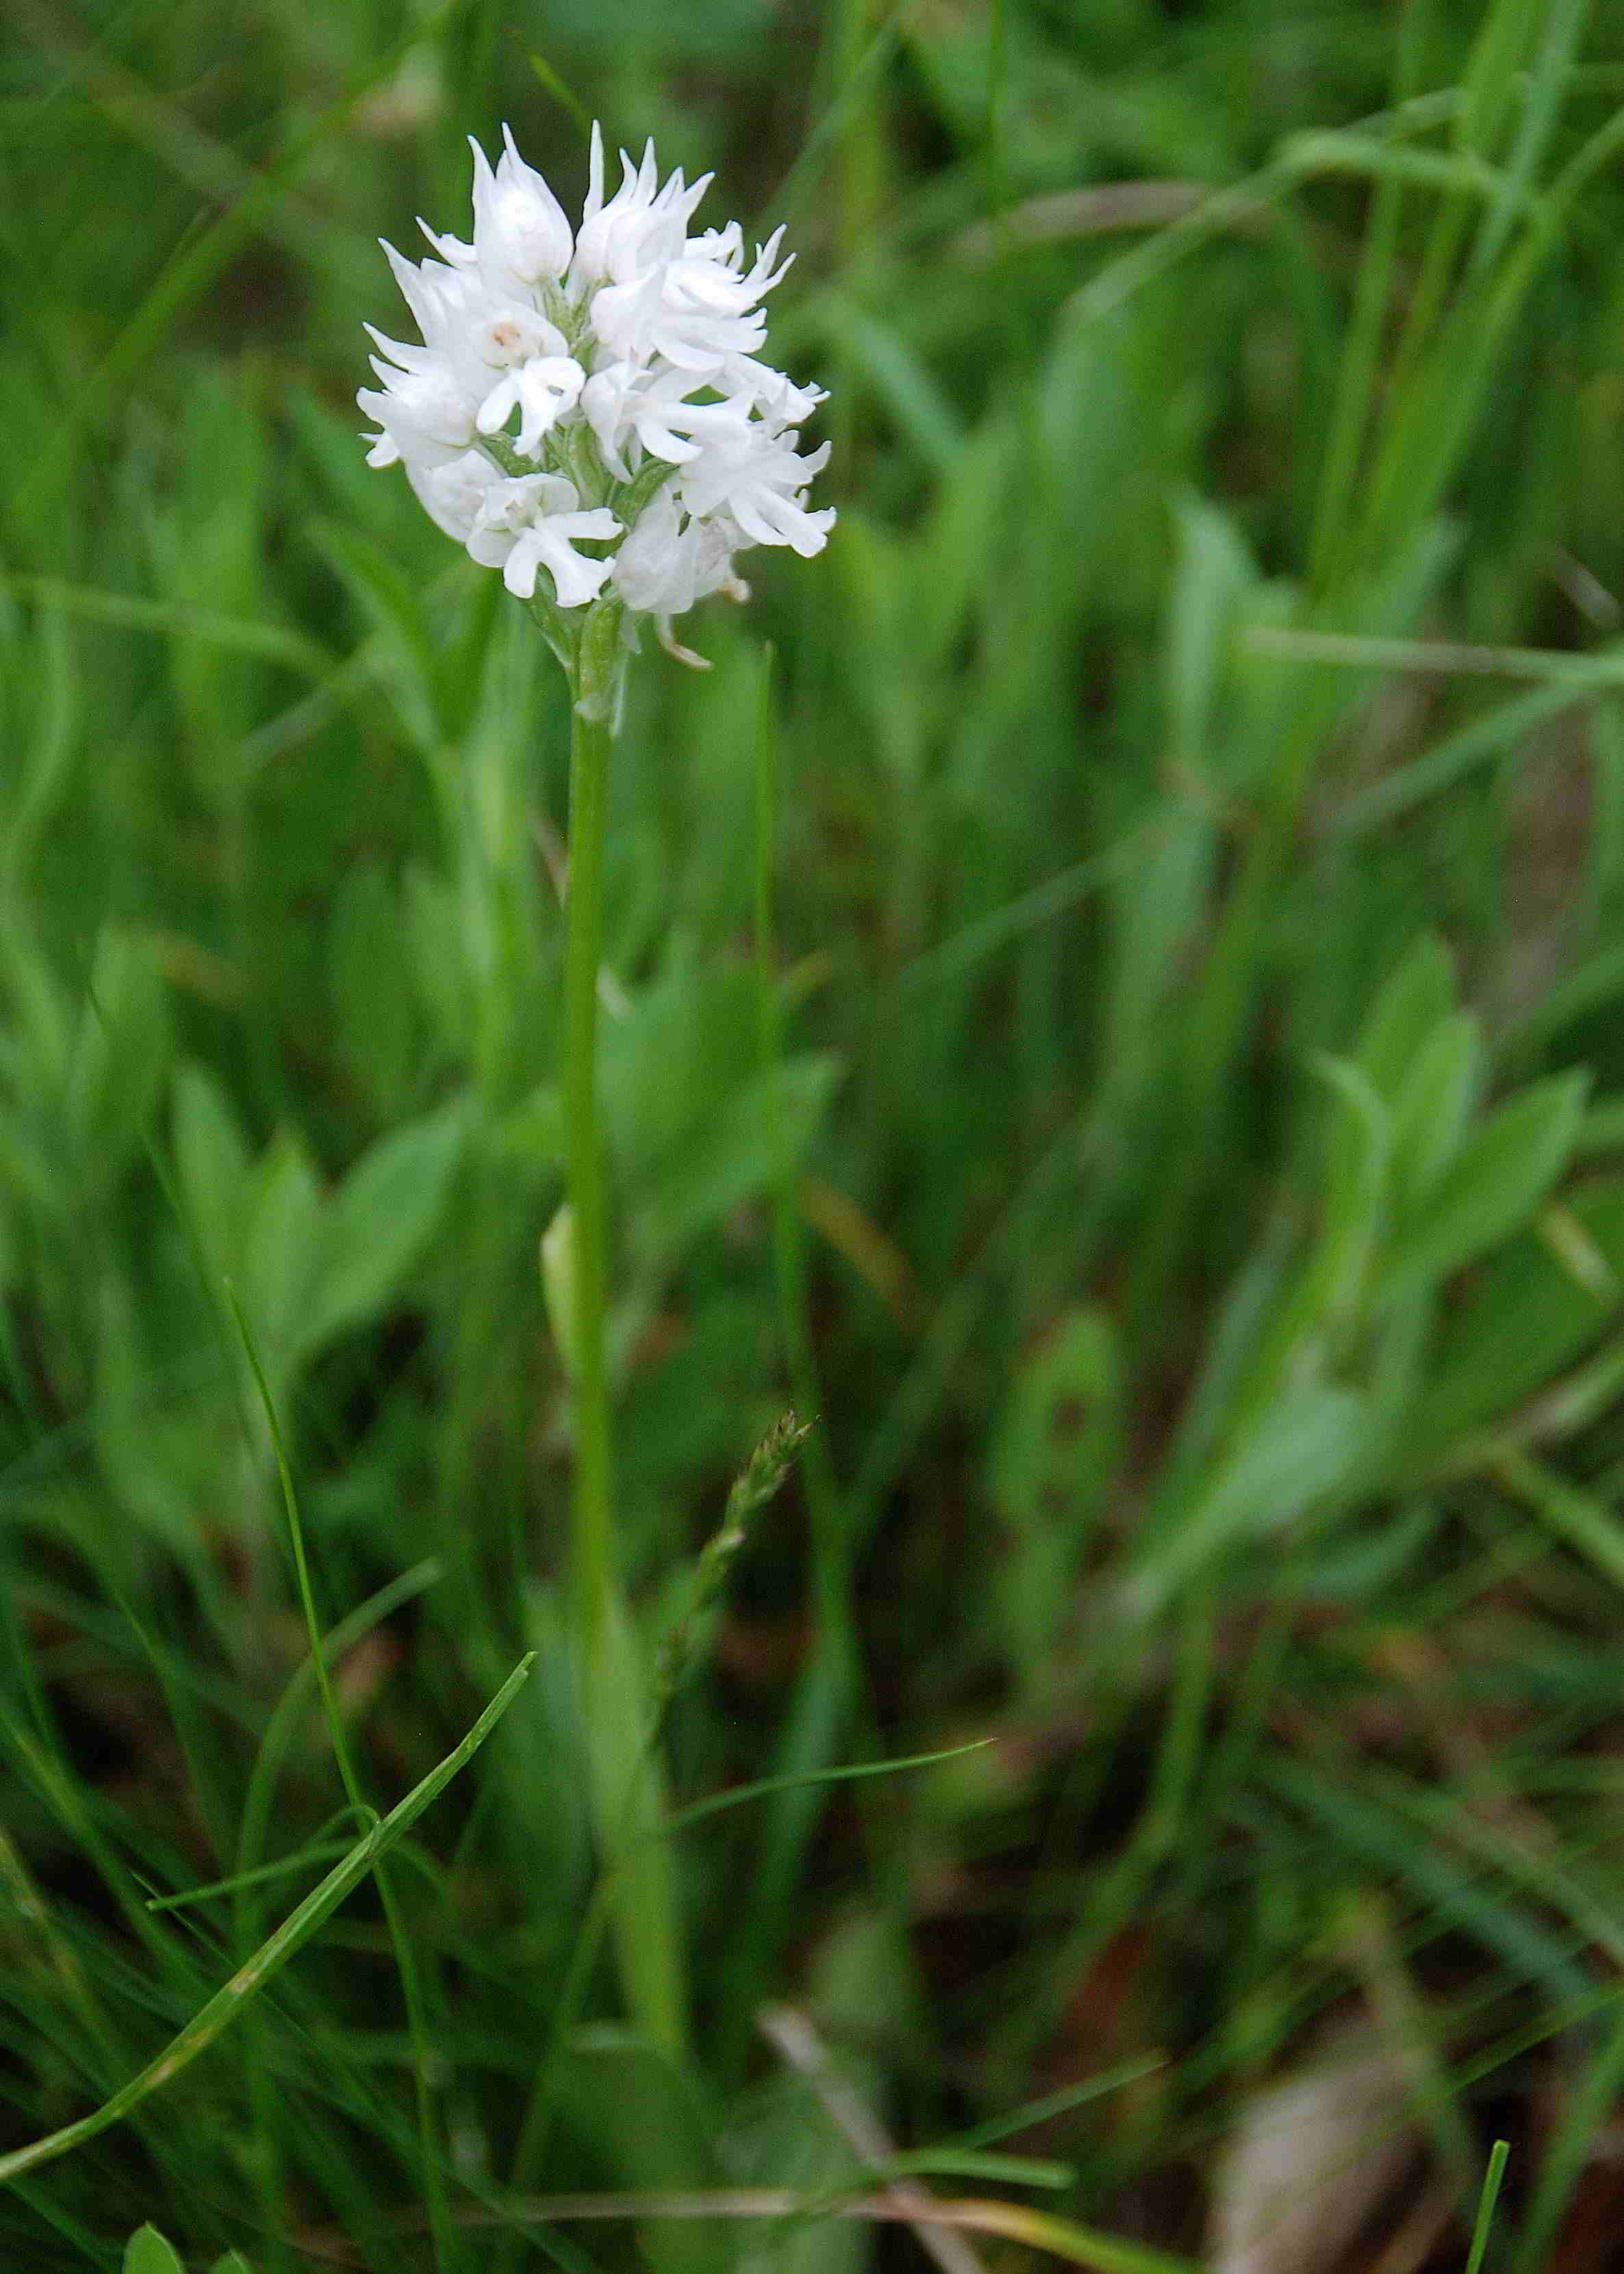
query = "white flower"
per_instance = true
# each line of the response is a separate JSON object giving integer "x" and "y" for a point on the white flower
{"x": 533, "y": 522}
{"x": 451, "y": 494}
{"x": 424, "y": 417}
{"x": 778, "y": 398}
{"x": 541, "y": 389}
{"x": 628, "y": 400}
{"x": 669, "y": 559}
{"x": 759, "y": 476}
{"x": 690, "y": 300}
{"x": 597, "y": 358}
{"x": 490, "y": 354}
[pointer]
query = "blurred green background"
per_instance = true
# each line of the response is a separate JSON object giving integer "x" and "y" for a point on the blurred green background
{"x": 1111, "y": 1014}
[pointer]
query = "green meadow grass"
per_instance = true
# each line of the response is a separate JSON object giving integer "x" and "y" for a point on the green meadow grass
{"x": 1110, "y": 1020}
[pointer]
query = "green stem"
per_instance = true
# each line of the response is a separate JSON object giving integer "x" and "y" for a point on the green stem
{"x": 592, "y": 1497}
{"x": 625, "y": 1796}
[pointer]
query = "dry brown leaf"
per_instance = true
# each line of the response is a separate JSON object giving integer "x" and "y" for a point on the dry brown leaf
{"x": 1310, "y": 2162}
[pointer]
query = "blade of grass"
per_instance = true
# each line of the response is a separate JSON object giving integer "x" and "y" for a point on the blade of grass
{"x": 1486, "y": 2202}
{"x": 1356, "y": 374}
{"x": 827, "y": 1692}
{"x": 134, "y": 612}
{"x": 411, "y": 1986}
{"x": 202, "y": 257}
{"x": 232, "y": 1998}
{"x": 1541, "y": 96}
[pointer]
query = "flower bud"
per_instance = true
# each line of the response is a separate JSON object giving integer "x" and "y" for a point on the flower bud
{"x": 520, "y": 231}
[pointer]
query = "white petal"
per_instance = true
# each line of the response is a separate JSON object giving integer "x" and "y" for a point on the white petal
{"x": 519, "y": 568}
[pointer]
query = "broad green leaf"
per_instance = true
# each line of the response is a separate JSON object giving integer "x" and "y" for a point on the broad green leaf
{"x": 532, "y": 1132}
{"x": 436, "y": 952}
{"x": 740, "y": 1151}
{"x": 962, "y": 530}
{"x": 212, "y": 1163}
{"x": 388, "y": 596}
{"x": 376, "y": 1013}
{"x": 1237, "y": 1355}
{"x": 1433, "y": 1106}
{"x": 1055, "y": 1451}
{"x": 148, "y": 2253}
{"x": 1528, "y": 1317}
{"x": 1494, "y": 1185}
{"x": 1303, "y": 1445}
{"x": 1214, "y": 572}
{"x": 122, "y": 1054}
{"x": 697, "y": 1125}
{"x": 1413, "y": 1003}
{"x": 1358, "y": 1151}
{"x": 282, "y": 1246}
{"x": 1154, "y": 909}
{"x": 380, "y": 1221}
{"x": 1359, "y": 1564}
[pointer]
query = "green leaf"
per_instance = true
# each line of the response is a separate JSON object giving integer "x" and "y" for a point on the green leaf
{"x": 1214, "y": 573}
{"x": 436, "y": 952}
{"x": 233, "y": 2262}
{"x": 1303, "y": 1445}
{"x": 1359, "y": 1565}
{"x": 1408, "y": 1010}
{"x": 377, "y": 1015}
{"x": 282, "y": 1244}
{"x": 1433, "y": 1106}
{"x": 922, "y": 411}
{"x": 697, "y": 1125}
{"x": 1490, "y": 85}
{"x": 1155, "y": 907}
{"x": 148, "y": 2253}
{"x": 765, "y": 1127}
{"x": 228, "y": 2003}
{"x": 394, "y": 602}
{"x": 380, "y": 1222}
{"x": 1358, "y": 1152}
{"x": 531, "y": 1132}
{"x": 212, "y": 1163}
{"x": 1054, "y": 1452}
{"x": 1527, "y": 1317}
{"x": 558, "y": 1282}
{"x": 1495, "y": 1186}
{"x": 1060, "y": 1422}
{"x": 123, "y": 1052}
{"x": 962, "y": 530}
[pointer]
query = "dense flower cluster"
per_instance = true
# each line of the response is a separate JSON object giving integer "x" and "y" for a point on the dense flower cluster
{"x": 573, "y": 389}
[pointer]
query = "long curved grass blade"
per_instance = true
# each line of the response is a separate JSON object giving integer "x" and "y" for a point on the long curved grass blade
{"x": 214, "y": 2017}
